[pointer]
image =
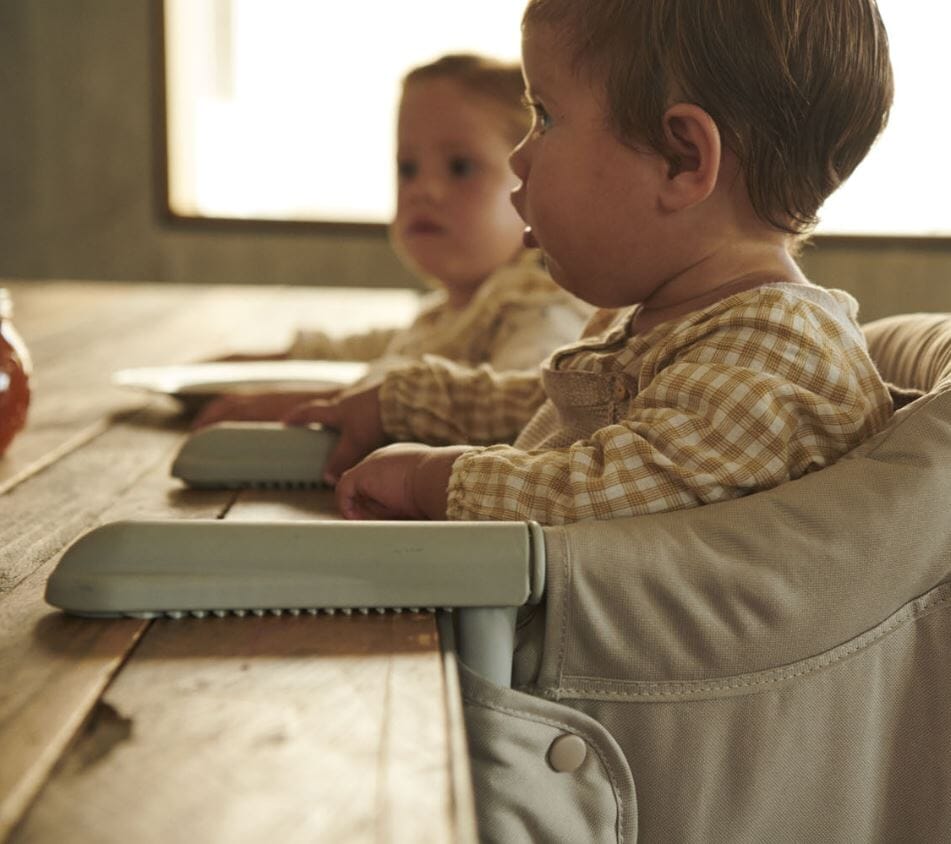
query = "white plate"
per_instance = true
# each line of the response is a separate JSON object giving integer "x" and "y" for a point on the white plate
{"x": 203, "y": 380}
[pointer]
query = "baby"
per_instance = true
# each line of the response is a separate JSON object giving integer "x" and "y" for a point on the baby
{"x": 459, "y": 119}
{"x": 680, "y": 151}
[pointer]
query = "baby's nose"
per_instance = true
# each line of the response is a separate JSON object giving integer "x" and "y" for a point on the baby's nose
{"x": 518, "y": 199}
{"x": 518, "y": 161}
{"x": 429, "y": 185}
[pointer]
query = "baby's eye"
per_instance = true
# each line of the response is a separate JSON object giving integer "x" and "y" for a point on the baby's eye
{"x": 541, "y": 120}
{"x": 406, "y": 169}
{"x": 541, "y": 116}
{"x": 460, "y": 166}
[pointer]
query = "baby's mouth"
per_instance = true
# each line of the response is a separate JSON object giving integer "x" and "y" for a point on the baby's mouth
{"x": 423, "y": 227}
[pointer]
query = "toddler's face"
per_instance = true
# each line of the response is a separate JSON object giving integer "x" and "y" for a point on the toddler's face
{"x": 454, "y": 219}
{"x": 590, "y": 201}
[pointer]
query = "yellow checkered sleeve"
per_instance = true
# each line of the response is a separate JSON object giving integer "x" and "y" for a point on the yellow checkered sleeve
{"x": 319, "y": 345}
{"x": 439, "y": 402}
{"x": 731, "y": 402}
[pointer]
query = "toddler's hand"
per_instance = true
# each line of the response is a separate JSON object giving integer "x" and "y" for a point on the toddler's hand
{"x": 403, "y": 481}
{"x": 256, "y": 407}
{"x": 356, "y": 415}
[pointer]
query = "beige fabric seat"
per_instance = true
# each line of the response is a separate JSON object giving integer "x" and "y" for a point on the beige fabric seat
{"x": 776, "y": 668}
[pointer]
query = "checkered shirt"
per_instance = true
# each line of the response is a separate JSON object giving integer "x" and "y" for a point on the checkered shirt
{"x": 516, "y": 318}
{"x": 757, "y": 389}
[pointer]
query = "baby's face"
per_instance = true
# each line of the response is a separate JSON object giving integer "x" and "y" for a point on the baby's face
{"x": 590, "y": 202}
{"x": 454, "y": 218}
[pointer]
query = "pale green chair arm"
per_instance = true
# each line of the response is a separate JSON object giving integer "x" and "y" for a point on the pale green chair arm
{"x": 233, "y": 455}
{"x": 484, "y": 570}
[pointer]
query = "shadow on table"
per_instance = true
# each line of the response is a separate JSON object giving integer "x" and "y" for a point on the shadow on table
{"x": 237, "y": 638}
{"x": 164, "y": 413}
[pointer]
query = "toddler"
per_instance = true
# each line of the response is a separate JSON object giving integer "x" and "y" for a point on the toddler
{"x": 680, "y": 150}
{"x": 459, "y": 118}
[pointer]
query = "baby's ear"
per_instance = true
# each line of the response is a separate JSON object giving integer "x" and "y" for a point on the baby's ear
{"x": 694, "y": 141}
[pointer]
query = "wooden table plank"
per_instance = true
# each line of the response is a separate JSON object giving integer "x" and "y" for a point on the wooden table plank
{"x": 307, "y": 728}
{"x": 73, "y": 341}
{"x": 257, "y": 505}
{"x": 339, "y": 729}
{"x": 248, "y": 729}
{"x": 81, "y": 335}
{"x": 126, "y": 470}
{"x": 54, "y": 666}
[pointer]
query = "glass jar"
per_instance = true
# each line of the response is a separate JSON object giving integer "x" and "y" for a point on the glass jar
{"x": 15, "y": 368}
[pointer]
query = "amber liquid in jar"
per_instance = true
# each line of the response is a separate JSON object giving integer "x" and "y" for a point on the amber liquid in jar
{"x": 15, "y": 370}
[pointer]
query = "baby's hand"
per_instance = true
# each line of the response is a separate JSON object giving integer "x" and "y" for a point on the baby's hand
{"x": 256, "y": 407}
{"x": 403, "y": 481}
{"x": 356, "y": 415}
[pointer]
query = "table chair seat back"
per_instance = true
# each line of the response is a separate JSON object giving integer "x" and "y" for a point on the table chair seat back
{"x": 773, "y": 668}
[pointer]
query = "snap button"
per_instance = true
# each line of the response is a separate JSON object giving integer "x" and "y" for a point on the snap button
{"x": 620, "y": 391}
{"x": 566, "y": 753}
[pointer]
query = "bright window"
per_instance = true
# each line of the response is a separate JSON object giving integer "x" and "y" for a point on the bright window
{"x": 903, "y": 186}
{"x": 285, "y": 109}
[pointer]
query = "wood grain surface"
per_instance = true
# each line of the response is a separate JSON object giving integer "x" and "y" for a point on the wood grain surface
{"x": 308, "y": 728}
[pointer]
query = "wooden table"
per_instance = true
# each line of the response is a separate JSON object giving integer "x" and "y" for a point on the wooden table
{"x": 309, "y": 728}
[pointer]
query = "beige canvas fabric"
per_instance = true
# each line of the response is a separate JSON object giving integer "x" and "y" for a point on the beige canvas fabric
{"x": 773, "y": 668}
{"x": 913, "y": 350}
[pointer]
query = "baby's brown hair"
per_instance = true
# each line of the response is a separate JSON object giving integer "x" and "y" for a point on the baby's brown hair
{"x": 498, "y": 83}
{"x": 799, "y": 89}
